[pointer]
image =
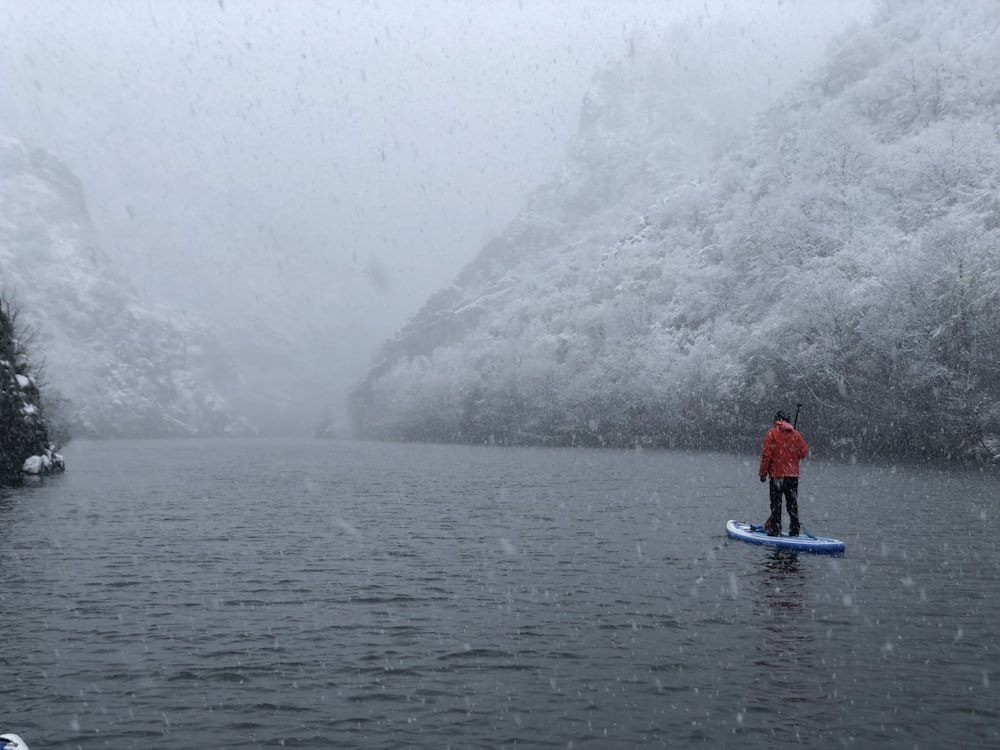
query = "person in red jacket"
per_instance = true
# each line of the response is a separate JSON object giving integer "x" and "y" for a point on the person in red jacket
{"x": 779, "y": 459}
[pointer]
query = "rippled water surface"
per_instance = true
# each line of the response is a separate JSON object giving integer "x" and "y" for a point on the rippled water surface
{"x": 229, "y": 594}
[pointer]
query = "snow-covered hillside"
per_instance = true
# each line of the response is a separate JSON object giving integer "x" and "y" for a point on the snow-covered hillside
{"x": 843, "y": 254}
{"x": 123, "y": 370}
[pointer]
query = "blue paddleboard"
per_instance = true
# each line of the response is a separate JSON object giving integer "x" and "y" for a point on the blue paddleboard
{"x": 12, "y": 742}
{"x": 822, "y": 545}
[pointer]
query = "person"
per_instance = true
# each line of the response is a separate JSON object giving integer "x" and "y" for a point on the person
{"x": 779, "y": 460}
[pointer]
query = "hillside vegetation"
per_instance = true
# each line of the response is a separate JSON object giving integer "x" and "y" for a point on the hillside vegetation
{"x": 25, "y": 445}
{"x": 123, "y": 369}
{"x": 844, "y": 253}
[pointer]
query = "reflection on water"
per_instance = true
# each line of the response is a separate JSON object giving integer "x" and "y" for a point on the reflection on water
{"x": 782, "y": 583}
{"x": 785, "y": 653}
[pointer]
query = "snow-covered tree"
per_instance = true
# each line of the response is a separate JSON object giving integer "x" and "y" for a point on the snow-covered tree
{"x": 842, "y": 253}
{"x": 24, "y": 436}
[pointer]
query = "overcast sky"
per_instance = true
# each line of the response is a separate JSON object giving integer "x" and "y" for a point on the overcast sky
{"x": 230, "y": 149}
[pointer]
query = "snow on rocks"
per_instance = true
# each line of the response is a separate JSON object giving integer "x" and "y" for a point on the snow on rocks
{"x": 47, "y": 462}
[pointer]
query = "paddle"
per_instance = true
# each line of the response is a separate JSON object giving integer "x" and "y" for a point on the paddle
{"x": 795, "y": 423}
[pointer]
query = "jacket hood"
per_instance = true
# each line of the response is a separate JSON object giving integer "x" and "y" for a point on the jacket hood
{"x": 783, "y": 425}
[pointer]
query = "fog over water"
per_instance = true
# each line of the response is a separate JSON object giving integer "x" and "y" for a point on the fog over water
{"x": 331, "y": 165}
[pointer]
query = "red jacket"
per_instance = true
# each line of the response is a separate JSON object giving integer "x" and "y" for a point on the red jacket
{"x": 783, "y": 447}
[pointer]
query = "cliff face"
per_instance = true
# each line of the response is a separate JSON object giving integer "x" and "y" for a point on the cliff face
{"x": 675, "y": 288}
{"x": 121, "y": 369}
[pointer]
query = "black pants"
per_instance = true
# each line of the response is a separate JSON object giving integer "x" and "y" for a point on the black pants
{"x": 787, "y": 487}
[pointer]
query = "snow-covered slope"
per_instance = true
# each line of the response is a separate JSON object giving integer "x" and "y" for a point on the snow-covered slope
{"x": 843, "y": 254}
{"x": 124, "y": 370}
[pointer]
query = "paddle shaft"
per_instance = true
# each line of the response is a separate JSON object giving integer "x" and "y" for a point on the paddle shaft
{"x": 794, "y": 424}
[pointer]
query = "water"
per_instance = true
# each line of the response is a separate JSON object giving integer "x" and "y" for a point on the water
{"x": 189, "y": 594}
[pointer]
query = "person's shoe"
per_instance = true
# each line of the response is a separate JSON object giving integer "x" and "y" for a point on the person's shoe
{"x": 793, "y": 533}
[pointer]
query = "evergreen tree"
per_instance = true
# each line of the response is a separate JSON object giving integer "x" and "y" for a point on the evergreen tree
{"x": 23, "y": 430}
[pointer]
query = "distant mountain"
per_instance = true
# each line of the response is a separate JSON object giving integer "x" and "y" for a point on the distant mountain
{"x": 674, "y": 289}
{"x": 123, "y": 370}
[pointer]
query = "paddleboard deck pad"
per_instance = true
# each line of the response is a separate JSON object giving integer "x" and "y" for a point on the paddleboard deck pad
{"x": 754, "y": 534}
